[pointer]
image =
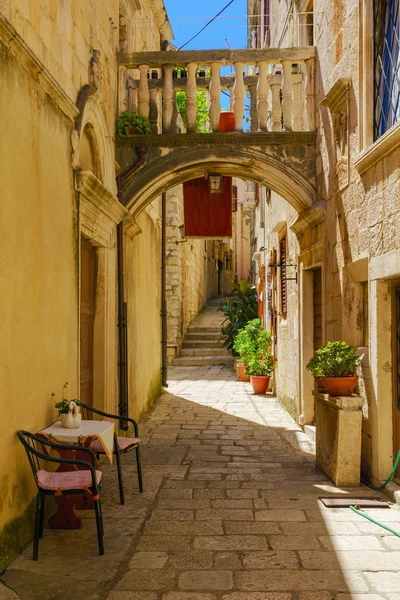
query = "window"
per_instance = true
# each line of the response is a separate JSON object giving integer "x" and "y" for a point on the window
{"x": 282, "y": 262}
{"x": 386, "y": 65}
{"x": 234, "y": 198}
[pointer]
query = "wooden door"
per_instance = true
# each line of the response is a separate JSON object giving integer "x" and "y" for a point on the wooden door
{"x": 396, "y": 372}
{"x": 88, "y": 288}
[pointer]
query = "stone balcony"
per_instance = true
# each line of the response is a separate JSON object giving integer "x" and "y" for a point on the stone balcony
{"x": 278, "y": 82}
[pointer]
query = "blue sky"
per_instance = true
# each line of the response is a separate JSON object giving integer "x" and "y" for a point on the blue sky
{"x": 189, "y": 16}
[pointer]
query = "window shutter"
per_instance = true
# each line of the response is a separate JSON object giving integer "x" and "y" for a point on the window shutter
{"x": 282, "y": 252}
{"x": 234, "y": 198}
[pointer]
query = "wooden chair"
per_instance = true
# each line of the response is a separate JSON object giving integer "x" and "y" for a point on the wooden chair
{"x": 55, "y": 483}
{"x": 122, "y": 445}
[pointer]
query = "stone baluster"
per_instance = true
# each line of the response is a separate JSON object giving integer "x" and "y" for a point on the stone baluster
{"x": 254, "y": 123}
{"x": 215, "y": 97}
{"x": 310, "y": 95}
{"x": 132, "y": 98}
{"x": 143, "y": 92}
{"x": 238, "y": 95}
{"x": 168, "y": 99}
{"x": 276, "y": 111}
{"x": 298, "y": 121}
{"x": 191, "y": 94}
{"x": 287, "y": 95}
{"x": 154, "y": 112}
{"x": 262, "y": 92}
{"x": 176, "y": 120}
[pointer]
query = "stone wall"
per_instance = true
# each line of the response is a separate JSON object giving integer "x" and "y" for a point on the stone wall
{"x": 358, "y": 191}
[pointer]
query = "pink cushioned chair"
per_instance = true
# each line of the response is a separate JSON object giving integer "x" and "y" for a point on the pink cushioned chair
{"x": 122, "y": 445}
{"x": 61, "y": 483}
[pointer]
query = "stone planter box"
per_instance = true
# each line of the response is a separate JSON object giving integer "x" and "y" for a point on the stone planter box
{"x": 338, "y": 437}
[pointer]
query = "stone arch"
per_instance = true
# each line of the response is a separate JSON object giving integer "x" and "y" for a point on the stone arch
{"x": 291, "y": 178}
{"x": 95, "y": 137}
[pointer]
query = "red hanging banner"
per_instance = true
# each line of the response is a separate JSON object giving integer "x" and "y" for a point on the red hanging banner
{"x": 207, "y": 215}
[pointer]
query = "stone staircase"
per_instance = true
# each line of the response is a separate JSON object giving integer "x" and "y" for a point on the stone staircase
{"x": 203, "y": 342}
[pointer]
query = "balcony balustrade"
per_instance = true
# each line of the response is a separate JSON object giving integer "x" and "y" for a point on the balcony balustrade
{"x": 278, "y": 83}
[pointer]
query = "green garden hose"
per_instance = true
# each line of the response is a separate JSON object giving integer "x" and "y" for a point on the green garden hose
{"x": 363, "y": 514}
{"x": 380, "y": 487}
{"x": 377, "y": 488}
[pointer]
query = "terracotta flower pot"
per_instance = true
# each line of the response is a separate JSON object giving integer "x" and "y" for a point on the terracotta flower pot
{"x": 227, "y": 121}
{"x": 260, "y": 383}
{"x": 319, "y": 383}
{"x": 241, "y": 374}
{"x": 340, "y": 386}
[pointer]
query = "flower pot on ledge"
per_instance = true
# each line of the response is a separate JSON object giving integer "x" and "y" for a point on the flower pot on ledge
{"x": 227, "y": 122}
{"x": 339, "y": 386}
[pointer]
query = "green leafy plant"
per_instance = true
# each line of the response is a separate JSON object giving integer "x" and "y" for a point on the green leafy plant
{"x": 130, "y": 122}
{"x": 239, "y": 309}
{"x": 252, "y": 339}
{"x": 259, "y": 365}
{"x": 202, "y": 109}
{"x": 335, "y": 359}
{"x": 63, "y": 404}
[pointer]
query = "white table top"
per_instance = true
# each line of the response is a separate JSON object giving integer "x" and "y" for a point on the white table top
{"x": 101, "y": 430}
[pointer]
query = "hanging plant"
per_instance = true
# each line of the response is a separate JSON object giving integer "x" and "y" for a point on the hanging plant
{"x": 131, "y": 123}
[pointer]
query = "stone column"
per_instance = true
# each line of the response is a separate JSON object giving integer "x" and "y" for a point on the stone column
{"x": 338, "y": 437}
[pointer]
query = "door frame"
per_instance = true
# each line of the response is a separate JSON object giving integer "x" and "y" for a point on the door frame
{"x": 395, "y": 383}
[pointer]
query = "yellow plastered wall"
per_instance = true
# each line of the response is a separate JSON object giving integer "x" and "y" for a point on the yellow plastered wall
{"x": 38, "y": 272}
{"x": 143, "y": 296}
{"x": 62, "y": 34}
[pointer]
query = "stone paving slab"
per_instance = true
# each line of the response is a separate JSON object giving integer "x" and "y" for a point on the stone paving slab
{"x": 230, "y": 511}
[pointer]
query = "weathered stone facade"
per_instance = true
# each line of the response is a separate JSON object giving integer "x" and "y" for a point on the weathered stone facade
{"x": 350, "y": 238}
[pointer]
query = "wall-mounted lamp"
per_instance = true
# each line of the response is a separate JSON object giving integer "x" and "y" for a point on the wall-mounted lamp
{"x": 215, "y": 183}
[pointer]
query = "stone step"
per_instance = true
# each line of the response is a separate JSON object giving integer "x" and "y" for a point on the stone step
{"x": 199, "y": 361}
{"x": 204, "y": 352}
{"x": 202, "y": 336}
{"x": 200, "y": 329}
{"x": 201, "y": 344}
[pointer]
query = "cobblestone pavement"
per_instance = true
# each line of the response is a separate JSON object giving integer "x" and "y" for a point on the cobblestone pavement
{"x": 230, "y": 512}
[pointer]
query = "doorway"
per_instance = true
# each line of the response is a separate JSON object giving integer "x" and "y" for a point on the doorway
{"x": 220, "y": 269}
{"x": 88, "y": 294}
{"x": 317, "y": 308}
{"x": 396, "y": 372}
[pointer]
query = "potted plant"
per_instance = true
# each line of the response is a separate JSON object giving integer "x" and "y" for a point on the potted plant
{"x": 314, "y": 366}
{"x": 260, "y": 368}
{"x": 227, "y": 121}
{"x": 68, "y": 411}
{"x": 130, "y": 122}
{"x": 336, "y": 364}
{"x": 251, "y": 339}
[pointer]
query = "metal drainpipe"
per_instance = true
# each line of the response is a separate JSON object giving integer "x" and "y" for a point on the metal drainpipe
{"x": 164, "y": 368}
{"x": 122, "y": 305}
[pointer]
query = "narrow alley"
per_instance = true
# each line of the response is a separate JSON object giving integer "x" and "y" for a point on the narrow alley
{"x": 230, "y": 511}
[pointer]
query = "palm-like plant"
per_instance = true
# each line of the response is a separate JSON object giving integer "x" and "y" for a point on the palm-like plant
{"x": 239, "y": 309}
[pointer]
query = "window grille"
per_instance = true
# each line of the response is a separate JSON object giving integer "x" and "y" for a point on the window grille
{"x": 386, "y": 65}
{"x": 282, "y": 255}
